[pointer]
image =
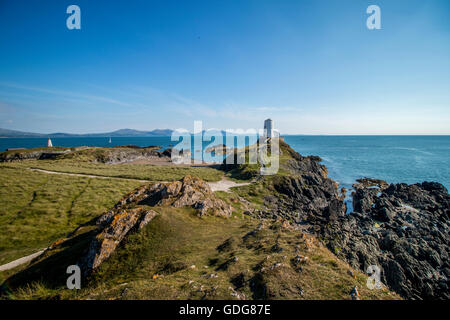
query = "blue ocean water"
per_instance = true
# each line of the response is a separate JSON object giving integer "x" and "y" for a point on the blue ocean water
{"x": 395, "y": 159}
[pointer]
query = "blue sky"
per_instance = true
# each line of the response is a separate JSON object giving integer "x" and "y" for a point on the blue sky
{"x": 312, "y": 66}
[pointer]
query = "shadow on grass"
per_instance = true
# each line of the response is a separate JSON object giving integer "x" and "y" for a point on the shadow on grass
{"x": 50, "y": 269}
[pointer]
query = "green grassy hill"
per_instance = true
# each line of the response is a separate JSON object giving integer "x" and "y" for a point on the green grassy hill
{"x": 182, "y": 256}
{"x": 178, "y": 255}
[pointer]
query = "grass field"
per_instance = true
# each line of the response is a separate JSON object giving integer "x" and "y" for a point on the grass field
{"x": 129, "y": 171}
{"x": 38, "y": 208}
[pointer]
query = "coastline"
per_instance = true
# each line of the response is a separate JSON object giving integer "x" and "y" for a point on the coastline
{"x": 347, "y": 157}
{"x": 301, "y": 196}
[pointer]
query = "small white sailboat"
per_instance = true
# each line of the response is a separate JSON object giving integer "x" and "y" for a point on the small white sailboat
{"x": 109, "y": 139}
{"x": 49, "y": 143}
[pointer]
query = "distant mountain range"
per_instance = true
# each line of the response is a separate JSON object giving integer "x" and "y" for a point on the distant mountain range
{"x": 6, "y": 133}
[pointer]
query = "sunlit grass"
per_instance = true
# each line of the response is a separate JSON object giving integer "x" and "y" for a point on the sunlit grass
{"x": 128, "y": 171}
{"x": 38, "y": 208}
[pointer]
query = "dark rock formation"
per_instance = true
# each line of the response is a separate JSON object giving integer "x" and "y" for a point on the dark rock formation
{"x": 310, "y": 196}
{"x": 307, "y": 193}
{"x": 403, "y": 229}
{"x": 167, "y": 153}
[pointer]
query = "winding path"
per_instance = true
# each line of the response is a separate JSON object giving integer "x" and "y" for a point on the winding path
{"x": 86, "y": 175}
{"x": 222, "y": 185}
{"x": 20, "y": 261}
{"x": 225, "y": 185}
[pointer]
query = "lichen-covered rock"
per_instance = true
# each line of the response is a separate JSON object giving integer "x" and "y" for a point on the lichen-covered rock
{"x": 116, "y": 225}
{"x": 130, "y": 214}
{"x": 189, "y": 191}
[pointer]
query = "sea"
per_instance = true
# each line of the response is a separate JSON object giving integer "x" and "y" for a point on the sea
{"x": 395, "y": 159}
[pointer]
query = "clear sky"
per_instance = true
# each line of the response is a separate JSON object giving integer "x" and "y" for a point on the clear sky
{"x": 310, "y": 65}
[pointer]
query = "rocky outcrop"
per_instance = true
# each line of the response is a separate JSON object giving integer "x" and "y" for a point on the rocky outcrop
{"x": 403, "y": 229}
{"x": 309, "y": 197}
{"x": 114, "y": 155}
{"x": 131, "y": 214}
{"x": 33, "y": 154}
{"x": 219, "y": 149}
{"x": 190, "y": 191}
{"x": 124, "y": 155}
{"x": 115, "y": 225}
{"x": 307, "y": 194}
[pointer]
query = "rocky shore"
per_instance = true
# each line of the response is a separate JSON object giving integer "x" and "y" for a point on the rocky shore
{"x": 403, "y": 229}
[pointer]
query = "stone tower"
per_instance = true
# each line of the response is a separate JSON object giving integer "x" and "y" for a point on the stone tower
{"x": 268, "y": 128}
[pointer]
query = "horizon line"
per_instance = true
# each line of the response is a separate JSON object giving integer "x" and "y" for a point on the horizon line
{"x": 224, "y": 130}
